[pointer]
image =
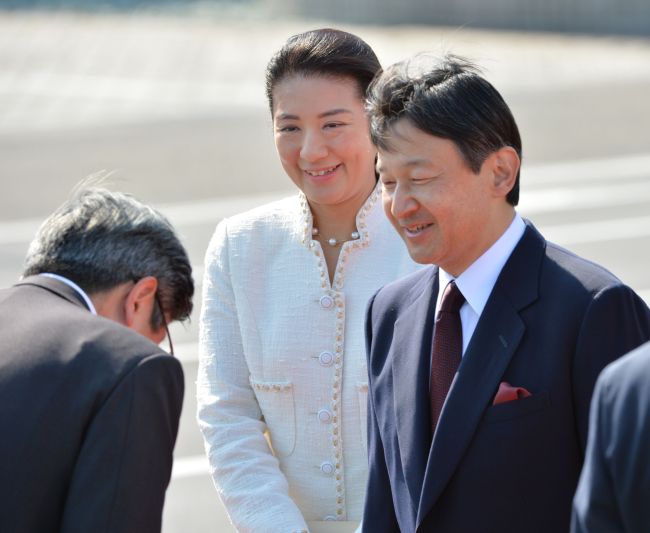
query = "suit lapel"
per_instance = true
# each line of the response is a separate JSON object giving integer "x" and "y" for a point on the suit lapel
{"x": 410, "y": 364}
{"x": 493, "y": 344}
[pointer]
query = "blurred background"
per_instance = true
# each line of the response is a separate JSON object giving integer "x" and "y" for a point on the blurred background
{"x": 169, "y": 97}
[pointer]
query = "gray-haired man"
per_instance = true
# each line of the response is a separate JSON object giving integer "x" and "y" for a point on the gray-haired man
{"x": 89, "y": 408}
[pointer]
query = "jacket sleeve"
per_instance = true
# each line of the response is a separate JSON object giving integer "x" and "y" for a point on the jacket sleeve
{"x": 378, "y": 510}
{"x": 616, "y": 322}
{"x": 124, "y": 465}
{"x": 594, "y": 505}
{"x": 246, "y": 474}
{"x": 614, "y": 487}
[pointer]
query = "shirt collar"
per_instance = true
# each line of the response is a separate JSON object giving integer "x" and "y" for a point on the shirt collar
{"x": 477, "y": 281}
{"x": 74, "y": 286}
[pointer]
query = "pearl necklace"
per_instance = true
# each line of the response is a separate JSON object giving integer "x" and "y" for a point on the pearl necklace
{"x": 332, "y": 241}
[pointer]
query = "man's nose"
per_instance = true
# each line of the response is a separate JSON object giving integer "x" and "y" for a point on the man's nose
{"x": 402, "y": 203}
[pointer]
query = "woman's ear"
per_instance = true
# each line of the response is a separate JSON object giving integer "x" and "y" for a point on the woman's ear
{"x": 139, "y": 304}
{"x": 505, "y": 166}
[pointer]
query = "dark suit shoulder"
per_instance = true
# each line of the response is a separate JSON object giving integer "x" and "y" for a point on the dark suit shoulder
{"x": 582, "y": 272}
{"x": 117, "y": 341}
{"x": 118, "y": 351}
{"x": 404, "y": 290}
{"x": 54, "y": 338}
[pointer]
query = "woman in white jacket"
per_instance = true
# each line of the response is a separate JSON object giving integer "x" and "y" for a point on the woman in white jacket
{"x": 284, "y": 296}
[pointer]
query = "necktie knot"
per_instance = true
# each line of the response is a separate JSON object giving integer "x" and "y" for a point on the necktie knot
{"x": 452, "y": 298}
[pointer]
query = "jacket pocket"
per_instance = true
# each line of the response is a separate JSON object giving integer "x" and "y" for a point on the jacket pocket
{"x": 275, "y": 399}
{"x": 362, "y": 394}
{"x": 517, "y": 408}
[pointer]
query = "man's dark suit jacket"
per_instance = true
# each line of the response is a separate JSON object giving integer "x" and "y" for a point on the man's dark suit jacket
{"x": 614, "y": 491}
{"x": 89, "y": 413}
{"x": 551, "y": 323}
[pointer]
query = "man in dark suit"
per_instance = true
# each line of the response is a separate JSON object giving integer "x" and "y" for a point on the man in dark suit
{"x": 89, "y": 405}
{"x": 614, "y": 490}
{"x": 481, "y": 367}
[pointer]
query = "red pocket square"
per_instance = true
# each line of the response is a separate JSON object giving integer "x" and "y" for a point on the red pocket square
{"x": 508, "y": 393}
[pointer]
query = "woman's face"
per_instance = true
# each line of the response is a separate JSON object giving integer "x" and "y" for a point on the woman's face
{"x": 322, "y": 138}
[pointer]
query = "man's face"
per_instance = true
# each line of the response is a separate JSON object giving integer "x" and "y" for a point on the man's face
{"x": 441, "y": 209}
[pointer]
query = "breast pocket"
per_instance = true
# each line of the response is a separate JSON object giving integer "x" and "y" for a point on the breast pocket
{"x": 276, "y": 402}
{"x": 517, "y": 408}
{"x": 362, "y": 394}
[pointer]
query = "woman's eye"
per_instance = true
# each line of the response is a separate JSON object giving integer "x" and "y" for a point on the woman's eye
{"x": 287, "y": 129}
{"x": 388, "y": 184}
{"x": 332, "y": 125}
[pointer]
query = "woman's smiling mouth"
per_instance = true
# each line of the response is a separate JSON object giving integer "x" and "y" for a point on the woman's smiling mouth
{"x": 322, "y": 172}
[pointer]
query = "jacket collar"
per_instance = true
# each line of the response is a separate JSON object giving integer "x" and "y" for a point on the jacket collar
{"x": 56, "y": 287}
{"x": 410, "y": 361}
{"x": 366, "y": 219}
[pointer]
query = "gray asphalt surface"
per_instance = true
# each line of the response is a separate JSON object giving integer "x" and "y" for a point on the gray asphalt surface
{"x": 175, "y": 107}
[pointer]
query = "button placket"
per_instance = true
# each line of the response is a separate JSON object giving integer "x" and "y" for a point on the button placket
{"x": 333, "y": 301}
{"x": 335, "y": 405}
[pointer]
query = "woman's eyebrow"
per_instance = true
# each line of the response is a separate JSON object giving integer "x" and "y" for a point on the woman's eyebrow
{"x": 329, "y": 113}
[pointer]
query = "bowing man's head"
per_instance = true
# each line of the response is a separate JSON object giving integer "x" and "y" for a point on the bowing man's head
{"x": 124, "y": 254}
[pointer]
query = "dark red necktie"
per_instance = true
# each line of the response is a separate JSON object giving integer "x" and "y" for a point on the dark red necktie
{"x": 447, "y": 349}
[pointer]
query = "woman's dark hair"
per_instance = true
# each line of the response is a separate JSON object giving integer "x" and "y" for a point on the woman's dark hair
{"x": 324, "y": 52}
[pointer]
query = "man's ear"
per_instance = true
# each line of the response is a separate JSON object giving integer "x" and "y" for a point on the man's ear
{"x": 505, "y": 166}
{"x": 139, "y": 304}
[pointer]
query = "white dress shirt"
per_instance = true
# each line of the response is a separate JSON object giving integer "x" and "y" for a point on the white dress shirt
{"x": 74, "y": 286}
{"x": 477, "y": 281}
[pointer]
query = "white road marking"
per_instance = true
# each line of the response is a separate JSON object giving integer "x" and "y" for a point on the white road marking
{"x": 180, "y": 214}
{"x": 588, "y": 170}
{"x": 191, "y": 466}
{"x": 598, "y": 231}
{"x": 211, "y": 211}
{"x": 573, "y": 199}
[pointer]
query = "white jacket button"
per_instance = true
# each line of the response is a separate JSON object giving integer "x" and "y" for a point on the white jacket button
{"x": 326, "y": 358}
{"x": 324, "y": 416}
{"x": 326, "y": 302}
{"x": 327, "y": 468}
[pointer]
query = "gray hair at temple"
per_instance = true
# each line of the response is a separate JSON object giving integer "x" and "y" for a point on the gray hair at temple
{"x": 100, "y": 239}
{"x": 449, "y": 99}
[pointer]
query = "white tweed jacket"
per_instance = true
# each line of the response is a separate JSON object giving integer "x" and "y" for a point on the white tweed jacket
{"x": 282, "y": 349}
